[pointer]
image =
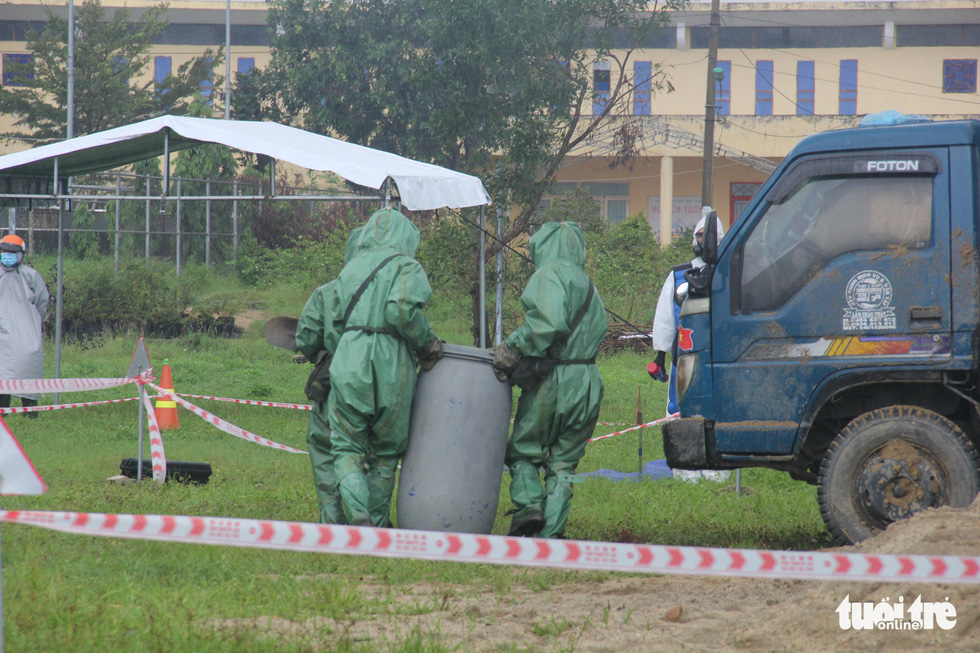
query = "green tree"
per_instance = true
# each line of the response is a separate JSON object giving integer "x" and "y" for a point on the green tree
{"x": 196, "y": 165}
{"x": 112, "y": 84}
{"x": 498, "y": 88}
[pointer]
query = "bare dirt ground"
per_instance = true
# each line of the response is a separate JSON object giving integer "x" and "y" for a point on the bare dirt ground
{"x": 629, "y": 613}
{"x": 248, "y": 317}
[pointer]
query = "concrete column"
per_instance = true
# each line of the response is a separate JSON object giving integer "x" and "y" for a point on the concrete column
{"x": 666, "y": 200}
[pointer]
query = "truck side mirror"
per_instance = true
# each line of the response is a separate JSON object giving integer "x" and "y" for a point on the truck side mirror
{"x": 681, "y": 292}
{"x": 709, "y": 243}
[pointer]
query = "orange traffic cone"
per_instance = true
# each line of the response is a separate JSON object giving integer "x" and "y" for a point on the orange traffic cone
{"x": 166, "y": 409}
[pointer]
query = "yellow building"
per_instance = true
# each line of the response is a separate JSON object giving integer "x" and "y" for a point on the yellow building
{"x": 789, "y": 69}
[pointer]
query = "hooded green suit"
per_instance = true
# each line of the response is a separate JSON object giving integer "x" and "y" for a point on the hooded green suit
{"x": 373, "y": 370}
{"x": 315, "y": 332}
{"x": 555, "y": 420}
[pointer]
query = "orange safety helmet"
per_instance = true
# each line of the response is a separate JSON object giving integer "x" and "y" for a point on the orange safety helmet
{"x": 12, "y": 243}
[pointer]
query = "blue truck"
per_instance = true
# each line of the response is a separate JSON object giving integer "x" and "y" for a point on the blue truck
{"x": 835, "y": 333}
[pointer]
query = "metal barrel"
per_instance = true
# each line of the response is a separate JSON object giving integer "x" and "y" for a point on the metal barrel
{"x": 452, "y": 470}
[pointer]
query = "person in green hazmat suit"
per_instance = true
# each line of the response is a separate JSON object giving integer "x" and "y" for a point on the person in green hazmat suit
{"x": 315, "y": 334}
{"x": 552, "y": 357}
{"x": 373, "y": 373}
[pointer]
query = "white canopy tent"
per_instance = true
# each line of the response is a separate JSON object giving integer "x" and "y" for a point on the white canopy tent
{"x": 421, "y": 186}
{"x": 40, "y": 174}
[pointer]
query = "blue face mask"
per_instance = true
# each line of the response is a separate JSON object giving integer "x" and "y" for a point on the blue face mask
{"x": 9, "y": 259}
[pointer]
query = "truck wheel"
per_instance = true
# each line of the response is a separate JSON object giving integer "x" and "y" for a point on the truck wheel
{"x": 890, "y": 463}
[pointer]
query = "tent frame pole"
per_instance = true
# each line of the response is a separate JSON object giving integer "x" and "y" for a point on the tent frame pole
{"x": 483, "y": 279}
{"x": 60, "y": 279}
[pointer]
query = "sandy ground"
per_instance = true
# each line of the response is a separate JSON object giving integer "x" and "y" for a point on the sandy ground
{"x": 630, "y": 613}
{"x": 248, "y": 317}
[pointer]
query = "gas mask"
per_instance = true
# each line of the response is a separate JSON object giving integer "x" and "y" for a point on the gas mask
{"x": 697, "y": 243}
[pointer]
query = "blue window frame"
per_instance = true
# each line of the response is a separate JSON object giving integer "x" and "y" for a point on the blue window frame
{"x": 245, "y": 64}
{"x": 723, "y": 90}
{"x": 161, "y": 68}
{"x": 207, "y": 85}
{"x": 959, "y": 76}
{"x": 121, "y": 64}
{"x": 17, "y": 69}
{"x": 804, "y": 88}
{"x": 641, "y": 91}
{"x": 601, "y": 85}
{"x": 848, "y": 85}
{"x": 763, "y": 88}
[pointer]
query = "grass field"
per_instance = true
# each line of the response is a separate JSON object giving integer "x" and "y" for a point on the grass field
{"x": 69, "y": 592}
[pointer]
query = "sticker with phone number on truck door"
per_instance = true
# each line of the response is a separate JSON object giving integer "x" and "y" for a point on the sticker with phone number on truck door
{"x": 869, "y": 297}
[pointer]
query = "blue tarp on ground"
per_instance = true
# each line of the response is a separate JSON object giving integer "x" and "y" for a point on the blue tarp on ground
{"x": 655, "y": 469}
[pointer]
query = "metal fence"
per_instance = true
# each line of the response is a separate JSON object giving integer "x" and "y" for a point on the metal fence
{"x": 126, "y": 215}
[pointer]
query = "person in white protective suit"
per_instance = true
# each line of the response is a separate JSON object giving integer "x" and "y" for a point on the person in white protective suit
{"x": 665, "y": 323}
{"x": 23, "y": 301}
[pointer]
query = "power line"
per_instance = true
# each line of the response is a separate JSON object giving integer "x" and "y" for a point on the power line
{"x": 859, "y": 86}
{"x": 531, "y": 261}
{"x": 796, "y": 57}
{"x": 635, "y": 178}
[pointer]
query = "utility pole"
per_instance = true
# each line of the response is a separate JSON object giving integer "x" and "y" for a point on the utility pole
{"x": 227, "y": 59}
{"x": 709, "y": 107}
{"x": 71, "y": 69}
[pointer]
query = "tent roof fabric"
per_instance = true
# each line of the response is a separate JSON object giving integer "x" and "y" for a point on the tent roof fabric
{"x": 421, "y": 186}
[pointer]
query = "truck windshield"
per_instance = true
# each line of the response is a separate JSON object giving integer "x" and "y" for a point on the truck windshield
{"x": 825, "y": 218}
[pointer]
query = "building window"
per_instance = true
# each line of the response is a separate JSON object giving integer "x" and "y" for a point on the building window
{"x": 847, "y": 104}
{"x": 161, "y": 69}
{"x": 804, "y": 36}
{"x": 614, "y": 209}
{"x": 959, "y": 76}
{"x": 120, "y": 66}
{"x": 641, "y": 91}
{"x": 207, "y": 85}
{"x": 804, "y": 88}
{"x": 723, "y": 89}
{"x": 245, "y": 64}
{"x": 763, "y": 88}
{"x": 601, "y": 85}
{"x": 612, "y": 198}
{"x": 537, "y": 217}
{"x": 742, "y": 192}
{"x": 967, "y": 34}
{"x": 17, "y": 69}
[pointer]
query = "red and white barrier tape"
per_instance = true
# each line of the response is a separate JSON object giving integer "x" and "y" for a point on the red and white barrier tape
{"x": 502, "y": 550}
{"x": 634, "y": 428}
{"x": 250, "y": 402}
{"x": 8, "y": 386}
{"x": 157, "y": 455}
{"x": 35, "y": 409}
{"x": 227, "y": 427}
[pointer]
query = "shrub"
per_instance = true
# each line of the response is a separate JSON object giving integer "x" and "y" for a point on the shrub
{"x": 308, "y": 264}
{"x": 628, "y": 267}
{"x": 143, "y": 297}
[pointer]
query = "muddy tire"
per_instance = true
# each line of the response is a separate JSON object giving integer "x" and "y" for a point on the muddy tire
{"x": 888, "y": 464}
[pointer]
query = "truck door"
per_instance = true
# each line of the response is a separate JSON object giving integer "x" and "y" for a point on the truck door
{"x": 845, "y": 264}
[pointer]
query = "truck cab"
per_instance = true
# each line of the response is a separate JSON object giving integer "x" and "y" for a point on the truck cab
{"x": 833, "y": 334}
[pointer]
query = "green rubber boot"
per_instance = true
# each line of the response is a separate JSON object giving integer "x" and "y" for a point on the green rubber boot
{"x": 527, "y": 496}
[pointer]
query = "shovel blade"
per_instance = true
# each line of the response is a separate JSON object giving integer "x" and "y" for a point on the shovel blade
{"x": 281, "y": 332}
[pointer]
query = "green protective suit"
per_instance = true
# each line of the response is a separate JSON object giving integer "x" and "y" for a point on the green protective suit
{"x": 555, "y": 420}
{"x": 315, "y": 332}
{"x": 373, "y": 370}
